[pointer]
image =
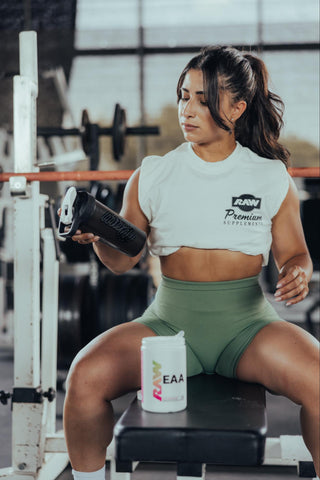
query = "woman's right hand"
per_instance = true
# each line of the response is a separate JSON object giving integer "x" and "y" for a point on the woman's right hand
{"x": 84, "y": 238}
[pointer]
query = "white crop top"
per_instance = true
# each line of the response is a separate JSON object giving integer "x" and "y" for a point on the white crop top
{"x": 211, "y": 205}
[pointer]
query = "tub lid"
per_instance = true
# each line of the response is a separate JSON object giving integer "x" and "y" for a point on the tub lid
{"x": 165, "y": 339}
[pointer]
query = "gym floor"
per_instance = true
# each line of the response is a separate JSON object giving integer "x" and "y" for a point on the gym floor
{"x": 283, "y": 418}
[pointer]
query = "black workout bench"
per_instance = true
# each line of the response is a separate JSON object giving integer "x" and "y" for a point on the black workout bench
{"x": 224, "y": 424}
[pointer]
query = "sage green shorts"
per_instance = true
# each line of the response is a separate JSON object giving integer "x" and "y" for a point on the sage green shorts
{"x": 219, "y": 319}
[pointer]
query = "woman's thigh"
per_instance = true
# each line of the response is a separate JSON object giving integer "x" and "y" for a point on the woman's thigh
{"x": 110, "y": 364}
{"x": 285, "y": 359}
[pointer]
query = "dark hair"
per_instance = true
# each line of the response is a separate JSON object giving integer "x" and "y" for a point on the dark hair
{"x": 245, "y": 76}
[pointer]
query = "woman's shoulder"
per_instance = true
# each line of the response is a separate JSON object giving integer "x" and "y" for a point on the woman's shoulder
{"x": 167, "y": 157}
{"x": 155, "y": 164}
{"x": 154, "y": 172}
{"x": 264, "y": 165}
{"x": 270, "y": 176}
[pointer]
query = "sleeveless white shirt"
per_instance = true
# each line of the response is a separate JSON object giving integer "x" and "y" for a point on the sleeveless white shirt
{"x": 211, "y": 205}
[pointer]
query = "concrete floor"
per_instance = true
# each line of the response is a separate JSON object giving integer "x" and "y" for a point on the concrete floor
{"x": 283, "y": 418}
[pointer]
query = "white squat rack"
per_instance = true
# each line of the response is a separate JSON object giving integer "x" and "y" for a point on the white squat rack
{"x": 35, "y": 442}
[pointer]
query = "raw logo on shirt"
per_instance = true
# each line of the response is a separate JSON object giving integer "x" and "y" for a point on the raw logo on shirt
{"x": 245, "y": 202}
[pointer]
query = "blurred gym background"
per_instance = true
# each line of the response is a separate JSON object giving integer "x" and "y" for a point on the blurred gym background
{"x": 94, "y": 54}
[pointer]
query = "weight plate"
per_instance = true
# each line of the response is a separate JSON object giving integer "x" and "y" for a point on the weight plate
{"x": 103, "y": 193}
{"x": 118, "y": 132}
{"x": 85, "y": 312}
{"x": 123, "y": 298}
{"x": 72, "y": 293}
{"x": 85, "y": 132}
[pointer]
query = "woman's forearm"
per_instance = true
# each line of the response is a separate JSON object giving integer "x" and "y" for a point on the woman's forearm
{"x": 302, "y": 260}
{"x": 116, "y": 261}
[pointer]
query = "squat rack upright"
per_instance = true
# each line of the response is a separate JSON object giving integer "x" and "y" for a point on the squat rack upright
{"x": 34, "y": 437}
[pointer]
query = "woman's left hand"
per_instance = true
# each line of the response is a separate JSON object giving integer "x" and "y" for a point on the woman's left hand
{"x": 292, "y": 285}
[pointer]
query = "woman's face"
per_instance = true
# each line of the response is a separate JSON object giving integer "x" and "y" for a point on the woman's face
{"x": 194, "y": 115}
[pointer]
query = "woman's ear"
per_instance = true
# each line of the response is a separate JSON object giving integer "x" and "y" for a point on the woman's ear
{"x": 238, "y": 109}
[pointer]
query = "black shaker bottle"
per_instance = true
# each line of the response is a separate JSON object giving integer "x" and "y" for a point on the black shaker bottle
{"x": 82, "y": 211}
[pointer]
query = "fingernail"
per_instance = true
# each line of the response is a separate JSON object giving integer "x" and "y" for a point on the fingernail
{"x": 279, "y": 285}
{"x": 288, "y": 304}
{"x": 278, "y": 299}
{"x": 277, "y": 294}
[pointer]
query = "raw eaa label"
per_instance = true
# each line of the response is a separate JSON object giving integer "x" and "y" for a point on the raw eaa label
{"x": 163, "y": 374}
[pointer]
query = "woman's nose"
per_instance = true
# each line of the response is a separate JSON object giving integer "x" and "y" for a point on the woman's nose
{"x": 188, "y": 110}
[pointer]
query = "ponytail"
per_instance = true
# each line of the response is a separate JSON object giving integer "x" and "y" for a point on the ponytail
{"x": 259, "y": 127}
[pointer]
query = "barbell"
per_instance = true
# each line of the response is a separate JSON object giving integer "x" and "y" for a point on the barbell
{"x": 109, "y": 175}
{"x": 89, "y": 132}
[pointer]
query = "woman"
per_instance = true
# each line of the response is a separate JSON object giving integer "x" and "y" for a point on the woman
{"x": 212, "y": 209}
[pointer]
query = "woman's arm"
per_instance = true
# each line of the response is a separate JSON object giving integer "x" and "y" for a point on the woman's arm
{"x": 116, "y": 261}
{"x": 290, "y": 250}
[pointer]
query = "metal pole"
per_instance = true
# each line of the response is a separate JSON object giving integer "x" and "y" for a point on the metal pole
{"x": 260, "y": 26}
{"x": 142, "y": 141}
{"x": 27, "y": 14}
{"x": 27, "y": 412}
{"x": 49, "y": 334}
{"x": 113, "y": 175}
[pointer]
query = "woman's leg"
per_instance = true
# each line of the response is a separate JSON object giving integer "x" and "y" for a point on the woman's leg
{"x": 286, "y": 359}
{"x": 105, "y": 369}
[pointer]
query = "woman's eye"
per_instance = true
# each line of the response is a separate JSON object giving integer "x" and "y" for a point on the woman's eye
{"x": 186, "y": 99}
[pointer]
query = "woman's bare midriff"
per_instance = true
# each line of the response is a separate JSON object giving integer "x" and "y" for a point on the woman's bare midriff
{"x": 203, "y": 265}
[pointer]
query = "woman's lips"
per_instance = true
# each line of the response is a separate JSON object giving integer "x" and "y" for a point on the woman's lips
{"x": 188, "y": 127}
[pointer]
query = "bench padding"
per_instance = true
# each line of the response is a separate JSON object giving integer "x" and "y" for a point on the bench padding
{"x": 224, "y": 424}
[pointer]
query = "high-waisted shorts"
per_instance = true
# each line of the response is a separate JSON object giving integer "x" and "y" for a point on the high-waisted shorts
{"x": 219, "y": 319}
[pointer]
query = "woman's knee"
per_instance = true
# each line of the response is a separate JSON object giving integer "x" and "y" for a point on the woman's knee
{"x": 310, "y": 391}
{"x": 92, "y": 370}
{"x": 285, "y": 359}
{"x": 109, "y": 366}
{"x": 84, "y": 378}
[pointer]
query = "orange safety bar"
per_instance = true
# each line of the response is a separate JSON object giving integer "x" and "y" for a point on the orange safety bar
{"x": 306, "y": 172}
{"x": 78, "y": 176}
{"x": 92, "y": 175}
